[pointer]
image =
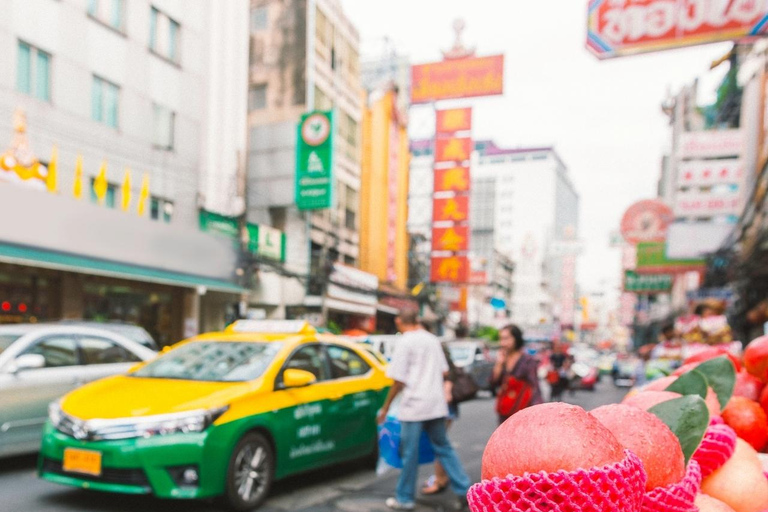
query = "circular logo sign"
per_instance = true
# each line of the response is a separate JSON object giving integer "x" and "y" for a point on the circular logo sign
{"x": 646, "y": 221}
{"x": 316, "y": 129}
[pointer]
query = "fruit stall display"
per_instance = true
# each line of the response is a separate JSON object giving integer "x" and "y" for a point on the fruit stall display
{"x": 685, "y": 443}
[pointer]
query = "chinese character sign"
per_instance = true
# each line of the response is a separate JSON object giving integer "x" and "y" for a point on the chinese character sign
{"x": 451, "y": 269}
{"x": 454, "y": 179}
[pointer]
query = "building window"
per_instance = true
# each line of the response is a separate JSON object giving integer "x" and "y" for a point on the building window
{"x": 109, "y": 198}
{"x": 322, "y": 101}
{"x": 160, "y": 209}
{"x": 163, "y": 126}
{"x": 257, "y": 97}
{"x": 164, "y": 35}
{"x": 33, "y": 72}
{"x": 259, "y": 19}
{"x": 108, "y": 12}
{"x": 105, "y": 100}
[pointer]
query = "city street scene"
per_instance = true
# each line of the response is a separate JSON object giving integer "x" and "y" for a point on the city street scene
{"x": 344, "y": 255}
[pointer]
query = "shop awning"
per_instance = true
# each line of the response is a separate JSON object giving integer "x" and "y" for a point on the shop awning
{"x": 41, "y": 258}
{"x": 350, "y": 307}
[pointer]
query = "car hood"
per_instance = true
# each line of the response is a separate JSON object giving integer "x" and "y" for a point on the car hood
{"x": 129, "y": 397}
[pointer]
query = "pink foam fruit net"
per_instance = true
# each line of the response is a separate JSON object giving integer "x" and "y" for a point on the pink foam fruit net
{"x": 678, "y": 497}
{"x": 716, "y": 448}
{"x": 617, "y": 487}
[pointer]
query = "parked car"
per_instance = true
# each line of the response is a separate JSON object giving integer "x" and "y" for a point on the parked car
{"x": 474, "y": 357}
{"x": 130, "y": 331}
{"x": 221, "y": 414}
{"x": 40, "y": 363}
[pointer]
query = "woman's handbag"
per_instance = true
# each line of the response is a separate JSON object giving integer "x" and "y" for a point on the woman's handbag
{"x": 515, "y": 395}
{"x": 464, "y": 387}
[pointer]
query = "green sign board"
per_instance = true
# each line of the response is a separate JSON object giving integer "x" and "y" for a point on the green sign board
{"x": 647, "y": 283}
{"x": 266, "y": 242}
{"x": 314, "y": 161}
{"x": 653, "y": 255}
{"x": 263, "y": 241}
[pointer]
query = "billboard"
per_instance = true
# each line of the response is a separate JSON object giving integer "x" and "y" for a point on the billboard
{"x": 653, "y": 258}
{"x": 454, "y": 179}
{"x": 454, "y": 120}
{"x": 625, "y": 27}
{"x": 314, "y": 161}
{"x": 706, "y": 173}
{"x": 450, "y": 269}
{"x": 451, "y": 209}
{"x": 457, "y": 78}
{"x": 711, "y": 144}
{"x": 457, "y": 149}
{"x": 706, "y": 204}
{"x": 646, "y": 221}
{"x": 453, "y": 238}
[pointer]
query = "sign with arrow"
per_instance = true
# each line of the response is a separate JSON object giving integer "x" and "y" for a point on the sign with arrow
{"x": 314, "y": 161}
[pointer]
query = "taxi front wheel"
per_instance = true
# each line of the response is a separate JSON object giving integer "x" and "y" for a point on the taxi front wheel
{"x": 250, "y": 473}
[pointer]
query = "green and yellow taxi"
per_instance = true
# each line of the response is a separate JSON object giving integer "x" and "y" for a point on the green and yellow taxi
{"x": 221, "y": 414}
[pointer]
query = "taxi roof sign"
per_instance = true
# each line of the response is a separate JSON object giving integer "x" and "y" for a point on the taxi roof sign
{"x": 272, "y": 326}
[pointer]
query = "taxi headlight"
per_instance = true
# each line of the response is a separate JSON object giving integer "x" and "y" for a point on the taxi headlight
{"x": 129, "y": 428}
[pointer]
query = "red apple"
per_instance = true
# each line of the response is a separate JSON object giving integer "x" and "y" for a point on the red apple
{"x": 747, "y": 386}
{"x": 756, "y": 358}
{"x": 649, "y": 438}
{"x": 549, "y": 437}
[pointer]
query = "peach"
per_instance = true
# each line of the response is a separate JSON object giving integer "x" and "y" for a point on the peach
{"x": 740, "y": 483}
{"x": 549, "y": 437}
{"x": 710, "y": 504}
{"x": 649, "y": 438}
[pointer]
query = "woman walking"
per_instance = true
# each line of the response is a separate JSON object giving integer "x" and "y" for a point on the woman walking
{"x": 516, "y": 374}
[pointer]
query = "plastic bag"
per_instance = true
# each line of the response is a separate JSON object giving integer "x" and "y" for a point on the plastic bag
{"x": 389, "y": 444}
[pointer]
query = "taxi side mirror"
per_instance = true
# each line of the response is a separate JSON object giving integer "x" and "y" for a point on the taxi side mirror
{"x": 297, "y": 378}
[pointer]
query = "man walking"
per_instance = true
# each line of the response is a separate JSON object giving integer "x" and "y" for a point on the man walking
{"x": 418, "y": 369}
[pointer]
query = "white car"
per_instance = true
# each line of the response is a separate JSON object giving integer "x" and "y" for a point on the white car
{"x": 40, "y": 363}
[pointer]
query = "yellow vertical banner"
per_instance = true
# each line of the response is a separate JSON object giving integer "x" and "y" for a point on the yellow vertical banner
{"x": 126, "y": 191}
{"x": 100, "y": 184}
{"x": 77, "y": 189}
{"x": 143, "y": 195}
{"x": 52, "y": 180}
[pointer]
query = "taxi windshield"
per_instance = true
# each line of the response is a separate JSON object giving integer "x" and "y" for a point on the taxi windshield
{"x": 213, "y": 361}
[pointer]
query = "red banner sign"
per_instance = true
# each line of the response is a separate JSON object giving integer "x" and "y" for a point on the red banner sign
{"x": 625, "y": 27}
{"x": 452, "y": 121}
{"x": 451, "y": 209}
{"x": 455, "y": 179}
{"x": 453, "y": 269}
{"x": 453, "y": 150}
{"x": 453, "y": 239}
{"x": 461, "y": 78}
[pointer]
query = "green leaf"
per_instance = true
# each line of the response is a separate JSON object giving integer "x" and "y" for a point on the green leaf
{"x": 721, "y": 377}
{"x": 687, "y": 417}
{"x": 690, "y": 383}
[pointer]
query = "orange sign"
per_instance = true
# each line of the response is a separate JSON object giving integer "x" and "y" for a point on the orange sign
{"x": 451, "y": 209}
{"x": 452, "y": 121}
{"x": 455, "y": 179}
{"x": 454, "y": 269}
{"x": 453, "y": 150}
{"x": 461, "y": 305}
{"x": 453, "y": 239}
{"x": 459, "y": 78}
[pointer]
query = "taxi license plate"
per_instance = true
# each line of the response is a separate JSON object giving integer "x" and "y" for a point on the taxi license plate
{"x": 82, "y": 461}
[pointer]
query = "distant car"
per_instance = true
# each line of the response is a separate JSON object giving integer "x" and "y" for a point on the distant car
{"x": 625, "y": 372}
{"x": 474, "y": 357}
{"x": 130, "y": 331}
{"x": 41, "y": 363}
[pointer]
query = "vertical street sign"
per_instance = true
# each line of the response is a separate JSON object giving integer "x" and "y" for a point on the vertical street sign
{"x": 314, "y": 161}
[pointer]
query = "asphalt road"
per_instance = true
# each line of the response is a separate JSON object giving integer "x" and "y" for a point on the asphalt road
{"x": 351, "y": 487}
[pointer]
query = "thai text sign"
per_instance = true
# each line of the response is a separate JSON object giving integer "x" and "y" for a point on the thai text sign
{"x": 652, "y": 259}
{"x": 625, "y": 27}
{"x": 314, "y": 161}
{"x": 711, "y": 144}
{"x": 647, "y": 283}
{"x": 460, "y": 78}
{"x": 455, "y": 120}
{"x": 450, "y": 209}
{"x": 454, "y": 179}
{"x": 451, "y": 269}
